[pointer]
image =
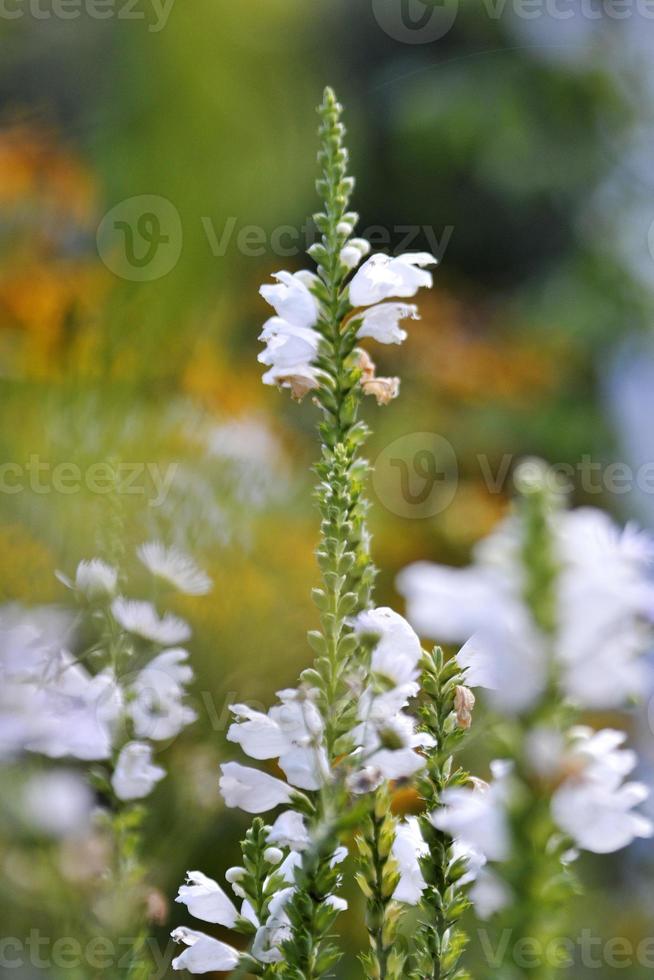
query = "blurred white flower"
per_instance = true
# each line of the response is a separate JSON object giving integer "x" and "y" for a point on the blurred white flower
{"x": 175, "y": 568}
{"x": 252, "y": 790}
{"x": 383, "y": 277}
{"x": 157, "y": 704}
{"x": 489, "y": 894}
{"x": 477, "y": 816}
{"x": 204, "y": 953}
{"x": 205, "y": 899}
{"x": 604, "y": 597}
{"x": 594, "y": 805}
{"x": 408, "y": 848}
{"x": 58, "y": 803}
{"x": 290, "y": 830}
{"x": 135, "y": 776}
{"x": 95, "y": 578}
{"x": 382, "y": 322}
{"x": 141, "y": 618}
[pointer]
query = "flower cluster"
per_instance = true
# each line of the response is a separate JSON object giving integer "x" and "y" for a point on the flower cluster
{"x": 293, "y": 342}
{"x": 554, "y": 612}
{"x": 602, "y": 604}
{"x": 109, "y": 702}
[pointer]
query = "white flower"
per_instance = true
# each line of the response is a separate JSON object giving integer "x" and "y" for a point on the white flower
{"x": 75, "y": 712}
{"x": 489, "y": 894}
{"x": 291, "y": 731}
{"x": 301, "y": 379}
{"x": 382, "y": 277}
{"x": 509, "y": 660}
{"x": 288, "y": 347}
{"x": 408, "y": 848}
{"x": 397, "y": 653}
{"x": 252, "y": 790}
{"x": 95, "y": 578}
{"x": 594, "y": 806}
{"x": 142, "y": 619}
{"x": 451, "y": 603}
{"x": 603, "y": 597}
{"x": 157, "y": 707}
{"x": 135, "y": 775}
{"x": 258, "y": 734}
{"x": 474, "y": 859}
{"x": 174, "y": 567}
{"x": 205, "y": 899}
{"x": 353, "y": 251}
{"x": 306, "y": 768}
{"x": 292, "y": 299}
{"x": 477, "y": 816}
{"x": 204, "y": 954}
{"x": 58, "y": 803}
{"x": 290, "y": 830}
{"x": 382, "y": 322}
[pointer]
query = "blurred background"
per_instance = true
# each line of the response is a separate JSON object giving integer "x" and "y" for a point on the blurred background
{"x": 156, "y": 165}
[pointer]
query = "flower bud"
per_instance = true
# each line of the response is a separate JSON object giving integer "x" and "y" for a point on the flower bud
{"x": 273, "y": 855}
{"x": 464, "y": 702}
{"x": 232, "y": 875}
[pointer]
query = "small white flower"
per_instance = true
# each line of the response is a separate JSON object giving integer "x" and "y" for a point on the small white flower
{"x": 382, "y": 322}
{"x": 58, "y": 803}
{"x": 135, "y": 776}
{"x": 408, "y": 848}
{"x": 204, "y": 954}
{"x": 594, "y": 806}
{"x": 175, "y": 568}
{"x": 157, "y": 707}
{"x": 291, "y": 297}
{"x": 383, "y": 277}
{"x": 205, "y": 899}
{"x": 352, "y": 253}
{"x": 306, "y": 768}
{"x": 142, "y": 619}
{"x": 478, "y": 817}
{"x": 258, "y": 734}
{"x": 397, "y": 653}
{"x": 273, "y": 855}
{"x": 287, "y": 346}
{"x": 489, "y": 894}
{"x": 290, "y": 830}
{"x": 252, "y": 790}
{"x": 95, "y": 578}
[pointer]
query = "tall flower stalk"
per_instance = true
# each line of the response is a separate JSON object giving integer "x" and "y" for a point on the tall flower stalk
{"x": 343, "y": 736}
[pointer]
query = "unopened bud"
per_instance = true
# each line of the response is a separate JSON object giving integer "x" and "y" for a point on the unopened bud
{"x": 464, "y": 702}
{"x": 273, "y": 855}
{"x": 232, "y": 875}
